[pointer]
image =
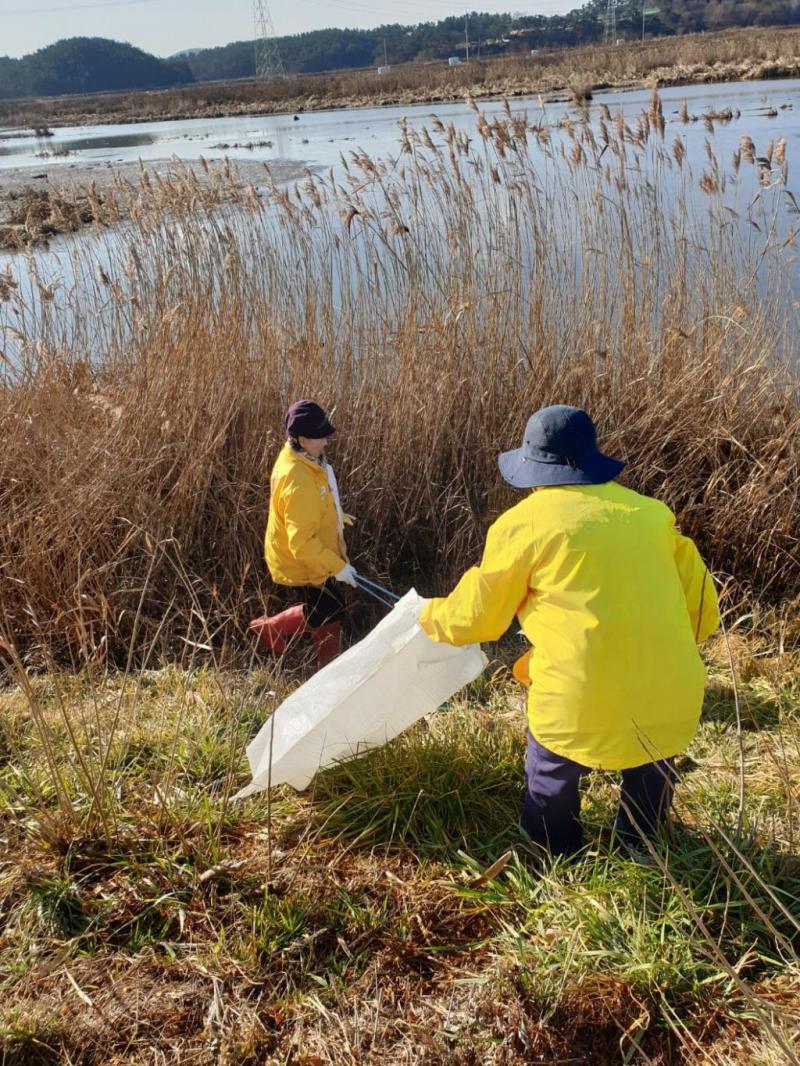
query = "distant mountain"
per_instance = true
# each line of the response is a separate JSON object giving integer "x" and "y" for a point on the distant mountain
{"x": 86, "y": 65}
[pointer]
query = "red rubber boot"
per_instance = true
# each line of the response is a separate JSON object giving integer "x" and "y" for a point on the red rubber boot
{"x": 327, "y": 642}
{"x": 274, "y": 632}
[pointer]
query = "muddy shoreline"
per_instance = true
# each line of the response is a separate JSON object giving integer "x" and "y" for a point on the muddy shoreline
{"x": 38, "y": 203}
{"x": 80, "y": 175}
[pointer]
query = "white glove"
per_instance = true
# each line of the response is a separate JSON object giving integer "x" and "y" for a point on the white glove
{"x": 347, "y": 576}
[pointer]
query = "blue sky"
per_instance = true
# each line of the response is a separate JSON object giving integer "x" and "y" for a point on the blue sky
{"x": 168, "y": 26}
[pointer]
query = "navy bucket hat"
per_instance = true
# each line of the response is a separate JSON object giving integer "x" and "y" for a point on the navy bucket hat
{"x": 559, "y": 448}
{"x": 307, "y": 419}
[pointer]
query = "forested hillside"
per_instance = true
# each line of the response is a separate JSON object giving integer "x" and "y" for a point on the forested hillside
{"x": 489, "y": 35}
{"x": 91, "y": 64}
{"x": 85, "y": 65}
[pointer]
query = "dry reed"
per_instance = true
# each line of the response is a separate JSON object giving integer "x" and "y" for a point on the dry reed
{"x": 432, "y": 301}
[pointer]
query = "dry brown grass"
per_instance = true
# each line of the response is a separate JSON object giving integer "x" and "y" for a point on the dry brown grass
{"x": 432, "y": 302}
{"x": 750, "y": 54}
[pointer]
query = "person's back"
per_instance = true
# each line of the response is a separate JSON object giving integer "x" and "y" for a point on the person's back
{"x": 618, "y": 678}
{"x": 614, "y": 601}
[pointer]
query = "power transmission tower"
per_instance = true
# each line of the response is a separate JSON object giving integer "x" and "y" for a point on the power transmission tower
{"x": 268, "y": 57}
{"x": 610, "y": 22}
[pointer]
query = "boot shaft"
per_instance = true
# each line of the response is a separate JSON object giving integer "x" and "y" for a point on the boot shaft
{"x": 327, "y": 643}
{"x": 274, "y": 632}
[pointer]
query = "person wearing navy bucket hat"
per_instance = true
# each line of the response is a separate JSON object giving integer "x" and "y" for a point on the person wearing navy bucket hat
{"x": 559, "y": 448}
{"x": 614, "y": 601}
{"x": 304, "y": 545}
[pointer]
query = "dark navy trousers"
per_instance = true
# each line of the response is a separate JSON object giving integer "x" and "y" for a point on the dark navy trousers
{"x": 551, "y": 813}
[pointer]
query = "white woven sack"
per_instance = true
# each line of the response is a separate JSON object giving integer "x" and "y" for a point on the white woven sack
{"x": 379, "y": 687}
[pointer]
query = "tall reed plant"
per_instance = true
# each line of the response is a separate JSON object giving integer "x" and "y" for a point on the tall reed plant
{"x": 431, "y": 300}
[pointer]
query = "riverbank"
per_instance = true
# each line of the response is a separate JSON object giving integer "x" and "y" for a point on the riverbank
{"x": 393, "y": 912}
{"x": 743, "y": 55}
{"x": 390, "y": 914}
{"x": 39, "y": 203}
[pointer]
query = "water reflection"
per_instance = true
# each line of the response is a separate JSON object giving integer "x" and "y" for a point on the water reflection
{"x": 767, "y": 110}
{"x": 744, "y": 206}
{"x": 77, "y": 144}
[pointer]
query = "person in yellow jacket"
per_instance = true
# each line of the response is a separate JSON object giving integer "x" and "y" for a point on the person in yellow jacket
{"x": 304, "y": 544}
{"x": 614, "y": 601}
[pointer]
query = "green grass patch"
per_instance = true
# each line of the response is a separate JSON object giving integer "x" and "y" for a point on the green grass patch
{"x": 362, "y": 906}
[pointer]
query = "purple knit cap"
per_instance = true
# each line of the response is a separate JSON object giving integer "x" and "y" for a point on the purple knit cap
{"x": 307, "y": 419}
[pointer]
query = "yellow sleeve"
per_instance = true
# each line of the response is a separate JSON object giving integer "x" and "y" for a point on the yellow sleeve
{"x": 301, "y": 514}
{"x": 486, "y": 599}
{"x": 698, "y": 588}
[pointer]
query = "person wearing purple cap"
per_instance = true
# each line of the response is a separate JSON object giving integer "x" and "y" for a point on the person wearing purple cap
{"x": 614, "y": 601}
{"x": 304, "y": 544}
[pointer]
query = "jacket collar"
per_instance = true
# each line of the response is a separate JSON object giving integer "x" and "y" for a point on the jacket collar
{"x": 301, "y": 457}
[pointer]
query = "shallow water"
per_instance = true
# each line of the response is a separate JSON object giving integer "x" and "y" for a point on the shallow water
{"x": 319, "y": 137}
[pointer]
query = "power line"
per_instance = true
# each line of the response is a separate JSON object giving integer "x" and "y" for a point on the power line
{"x": 424, "y": 14}
{"x": 74, "y": 7}
{"x": 371, "y": 9}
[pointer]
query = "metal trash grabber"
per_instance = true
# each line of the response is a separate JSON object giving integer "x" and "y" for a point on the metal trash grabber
{"x": 378, "y": 592}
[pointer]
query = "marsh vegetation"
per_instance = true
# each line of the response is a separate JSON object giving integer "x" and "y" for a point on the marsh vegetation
{"x": 431, "y": 300}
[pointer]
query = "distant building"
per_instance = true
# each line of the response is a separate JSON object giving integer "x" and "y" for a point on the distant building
{"x": 384, "y": 70}
{"x": 454, "y": 61}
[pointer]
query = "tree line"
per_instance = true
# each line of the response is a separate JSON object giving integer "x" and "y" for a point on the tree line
{"x": 488, "y": 34}
{"x": 83, "y": 64}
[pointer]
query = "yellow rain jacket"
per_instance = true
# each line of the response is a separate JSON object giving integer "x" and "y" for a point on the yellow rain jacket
{"x": 302, "y": 545}
{"x": 613, "y": 600}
